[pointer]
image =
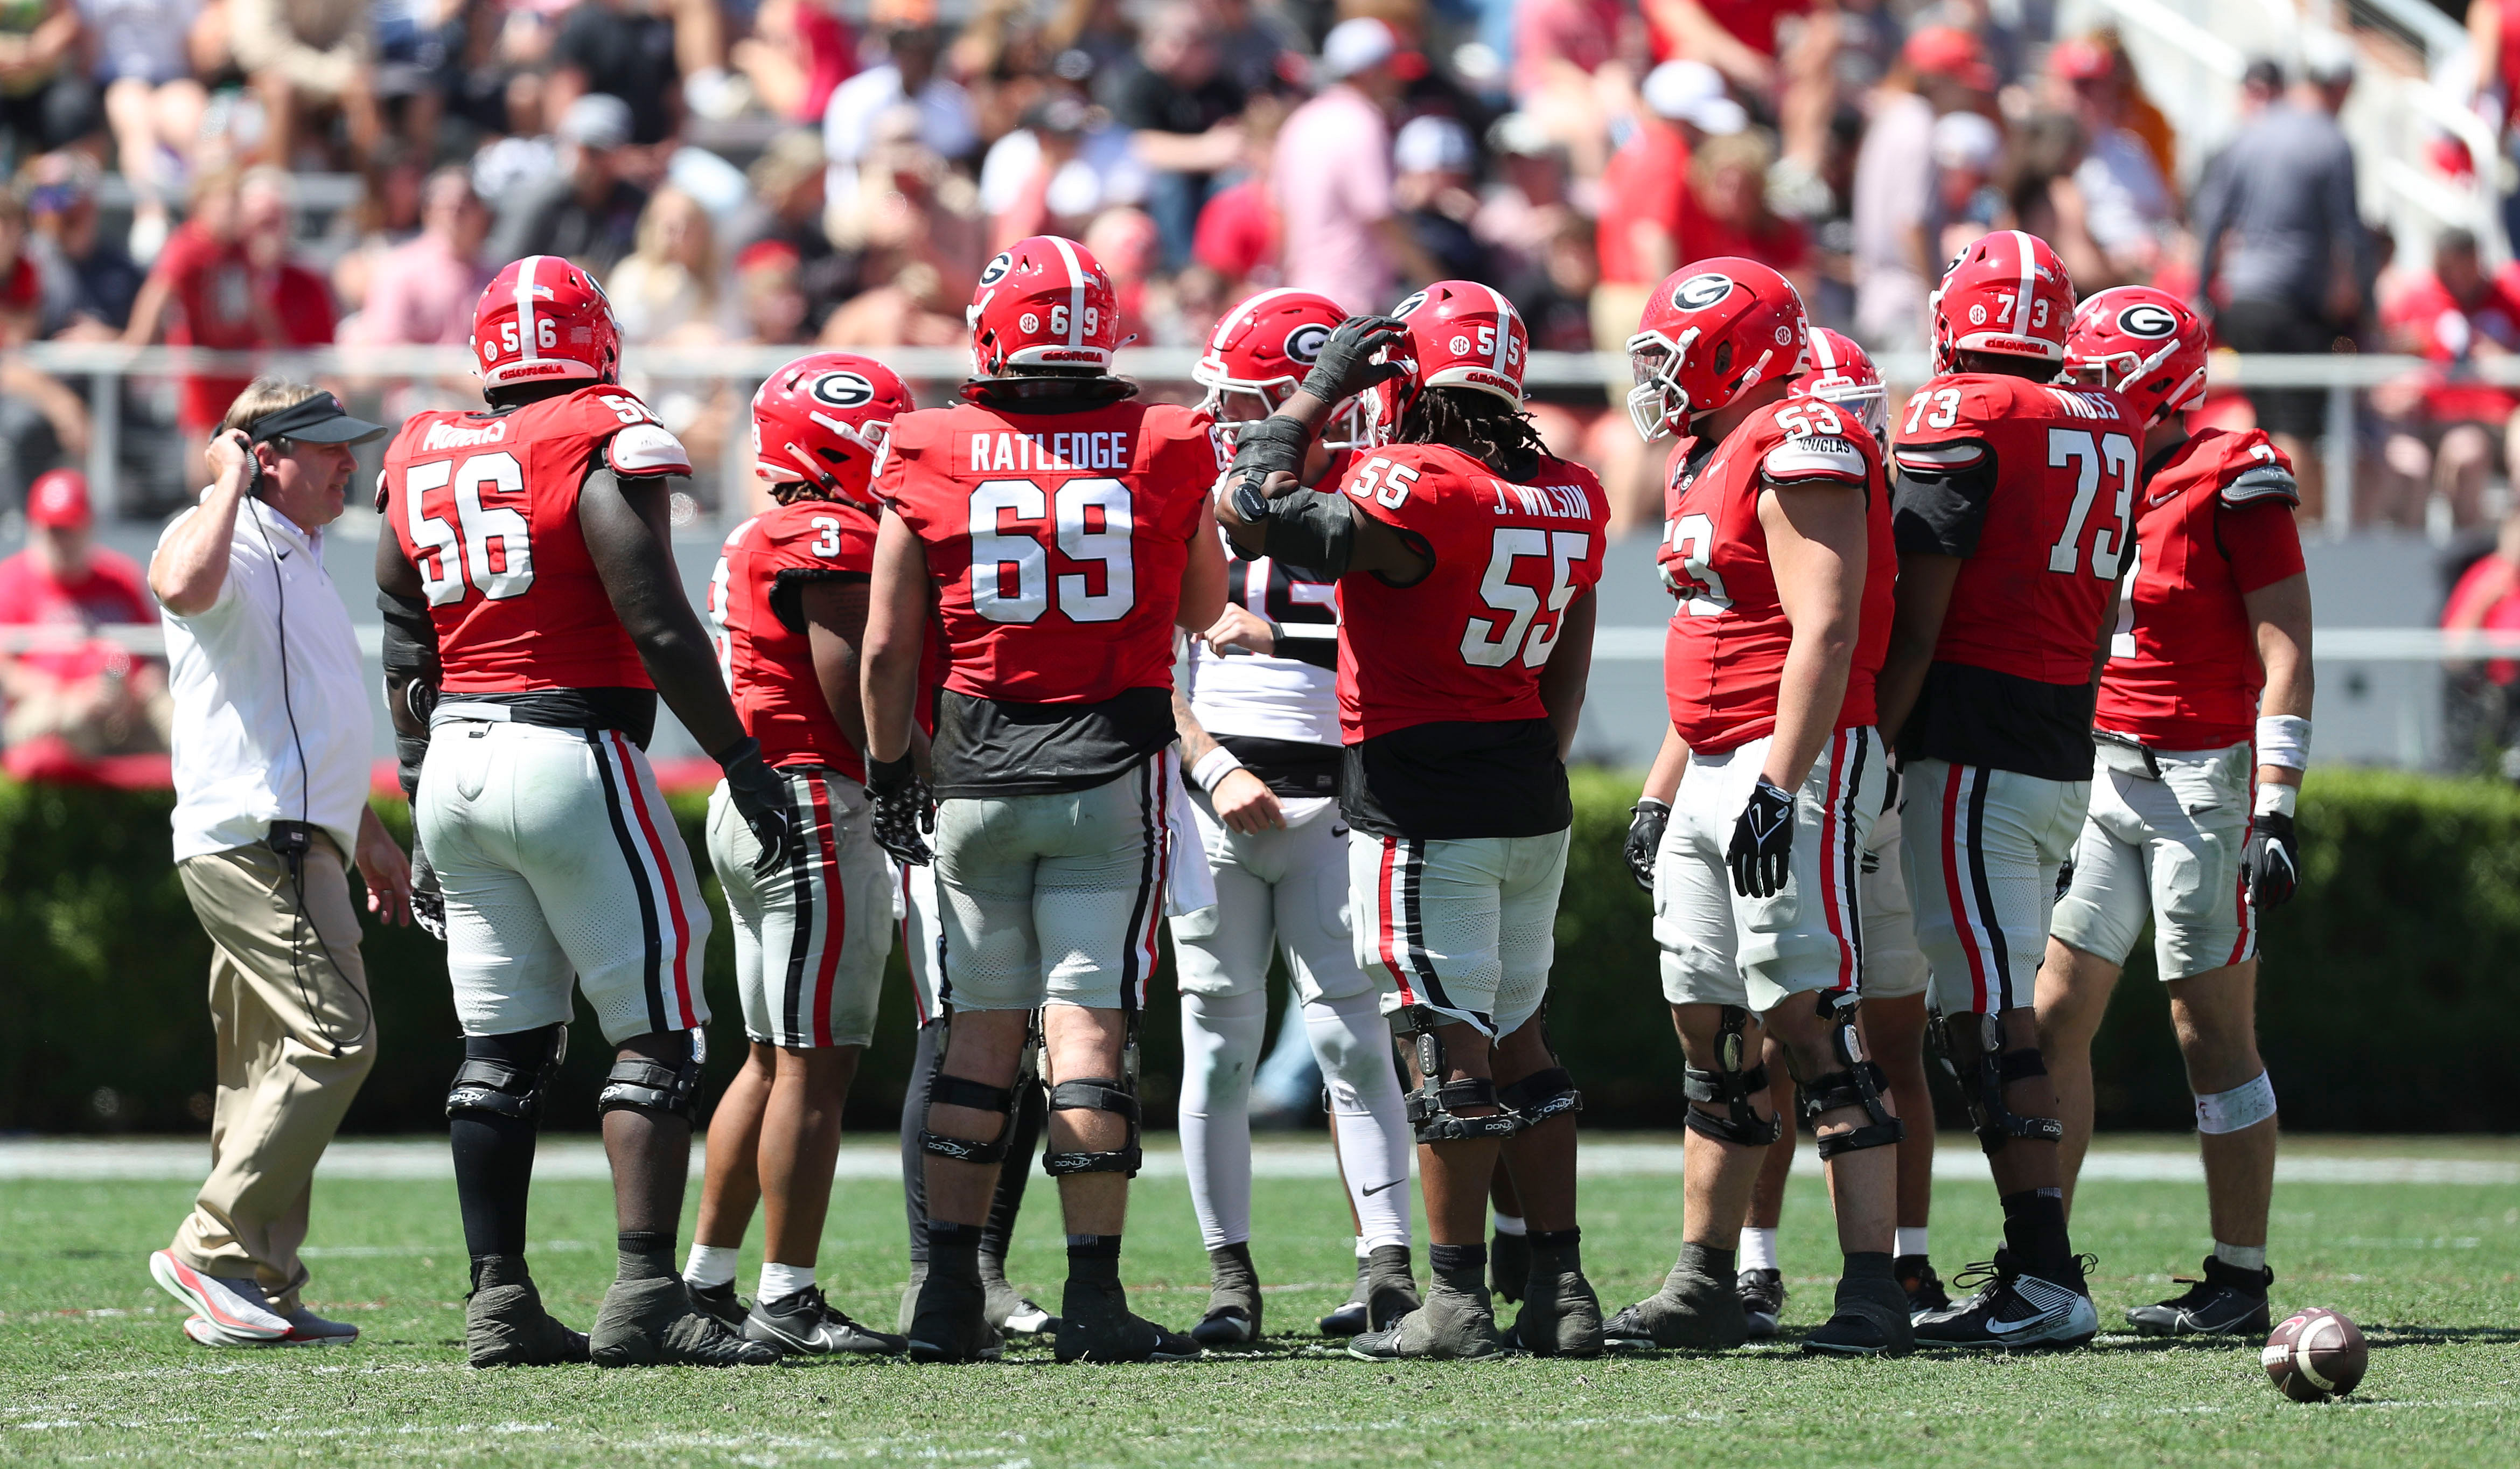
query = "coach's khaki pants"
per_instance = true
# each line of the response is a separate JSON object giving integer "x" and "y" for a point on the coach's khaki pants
{"x": 288, "y": 1001}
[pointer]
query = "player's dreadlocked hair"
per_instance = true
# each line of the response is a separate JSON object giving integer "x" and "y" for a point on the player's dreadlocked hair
{"x": 1478, "y": 423}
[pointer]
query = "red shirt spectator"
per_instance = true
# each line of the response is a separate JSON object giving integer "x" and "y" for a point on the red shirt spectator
{"x": 1579, "y": 33}
{"x": 2487, "y": 598}
{"x": 1238, "y": 230}
{"x": 1725, "y": 211}
{"x": 1646, "y": 183}
{"x": 2457, "y": 315}
{"x": 224, "y": 281}
{"x": 91, "y": 694}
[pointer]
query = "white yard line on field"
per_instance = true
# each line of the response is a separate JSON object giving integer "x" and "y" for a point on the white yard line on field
{"x": 164, "y": 1160}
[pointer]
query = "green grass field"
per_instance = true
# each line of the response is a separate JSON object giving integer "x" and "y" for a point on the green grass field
{"x": 92, "y": 1365}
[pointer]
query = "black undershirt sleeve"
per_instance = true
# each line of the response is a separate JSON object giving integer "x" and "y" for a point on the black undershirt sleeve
{"x": 1940, "y": 513}
{"x": 1313, "y": 528}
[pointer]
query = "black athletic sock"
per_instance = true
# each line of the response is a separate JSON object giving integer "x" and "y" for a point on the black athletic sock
{"x": 1707, "y": 1260}
{"x": 646, "y": 1254}
{"x": 953, "y": 1250}
{"x": 1231, "y": 1266}
{"x": 1557, "y": 1249}
{"x": 490, "y": 1272}
{"x": 2034, "y": 1230}
{"x": 1093, "y": 1258}
{"x": 1023, "y": 1138}
{"x": 494, "y": 1175}
{"x": 914, "y": 1158}
{"x": 1460, "y": 1266}
{"x": 1869, "y": 1265}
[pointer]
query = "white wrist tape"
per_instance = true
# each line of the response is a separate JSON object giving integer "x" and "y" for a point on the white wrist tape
{"x": 1214, "y": 766}
{"x": 2277, "y": 799}
{"x": 2284, "y": 740}
{"x": 2244, "y": 1106}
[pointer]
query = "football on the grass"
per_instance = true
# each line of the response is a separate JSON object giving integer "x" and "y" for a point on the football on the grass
{"x": 2315, "y": 1355}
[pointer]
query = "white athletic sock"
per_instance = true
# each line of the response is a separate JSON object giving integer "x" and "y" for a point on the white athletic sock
{"x": 1911, "y": 1241}
{"x": 779, "y": 1282}
{"x": 1363, "y": 1250}
{"x": 710, "y": 1266}
{"x": 1221, "y": 1035}
{"x": 1506, "y": 1224}
{"x": 2241, "y": 1257}
{"x": 1353, "y": 1042}
{"x": 1758, "y": 1248}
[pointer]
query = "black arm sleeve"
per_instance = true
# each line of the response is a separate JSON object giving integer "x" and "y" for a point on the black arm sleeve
{"x": 1311, "y": 528}
{"x": 411, "y": 681}
{"x": 1940, "y": 514}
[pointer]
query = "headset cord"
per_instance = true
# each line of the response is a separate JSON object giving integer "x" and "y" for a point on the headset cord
{"x": 295, "y": 854}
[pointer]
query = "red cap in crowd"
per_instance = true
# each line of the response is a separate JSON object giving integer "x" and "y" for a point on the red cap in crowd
{"x": 58, "y": 501}
{"x": 1949, "y": 51}
{"x": 2079, "y": 60}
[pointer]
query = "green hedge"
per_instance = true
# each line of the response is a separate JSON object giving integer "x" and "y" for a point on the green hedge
{"x": 2389, "y": 982}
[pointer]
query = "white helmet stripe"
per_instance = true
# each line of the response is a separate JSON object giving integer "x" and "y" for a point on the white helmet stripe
{"x": 1503, "y": 330}
{"x": 1824, "y": 350}
{"x": 525, "y": 308}
{"x": 1075, "y": 291}
{"x": 2028, "y": 267}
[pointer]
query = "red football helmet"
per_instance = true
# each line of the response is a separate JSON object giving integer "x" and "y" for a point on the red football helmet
{"x": 823, "y": 419}
{"x": 1842, "y": 373}
{"x": 544, "y": 320}
{"x": 1462, "y": 334}
{"x": 1043, "y": 301}
{"x": 2007, "y": 294}
{"x": 1258, "y": 355}
{"x": 2145, "y": 344}
{"x": 1711, "y": 330}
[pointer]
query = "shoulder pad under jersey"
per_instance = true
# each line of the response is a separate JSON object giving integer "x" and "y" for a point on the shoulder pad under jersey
{"x": 2257, "y": 471}
{"x": 1815, "y": 456}
{"x": 645, "y": 450}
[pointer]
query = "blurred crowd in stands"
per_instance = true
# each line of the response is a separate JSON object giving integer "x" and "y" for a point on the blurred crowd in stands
{"x": 272, "y": 173}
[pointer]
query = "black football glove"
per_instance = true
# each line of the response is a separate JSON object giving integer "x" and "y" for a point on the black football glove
{"x": 762, "y": 800}
{"x": 903, "y": 810}
{"x": 1762, "y": 852}
{"x": 1346, "y": 367}
{"x": 1646, "y": 821}
{"x": 2272, "y": 861}
{"x": 427, "y": 900}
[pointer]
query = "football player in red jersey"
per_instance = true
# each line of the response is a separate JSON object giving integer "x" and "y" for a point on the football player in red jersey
{"x": 1257, "y": 708}
{"x": 2202, "y": 729}
{"x": 533, "y": 618}
{"x": 1466, "y": 556}
{"x": 1057, "y": 528}
{"x": 2015, "y": 518}
{"x": 811, "y": 938}
{"x": 1892, "y": 1020}
{"x": 1777, "y": 547}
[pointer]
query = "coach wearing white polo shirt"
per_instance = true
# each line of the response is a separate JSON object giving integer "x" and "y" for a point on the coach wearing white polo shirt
{"x": 271, "y": 753}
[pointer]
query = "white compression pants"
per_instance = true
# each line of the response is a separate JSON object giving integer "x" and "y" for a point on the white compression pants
{"x": 1285, "y": 889}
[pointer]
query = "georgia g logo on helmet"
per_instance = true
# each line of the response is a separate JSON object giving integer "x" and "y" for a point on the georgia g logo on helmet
{"x": 2148, "y": 319}
{"x": 1304, "y": 343}
{"x": 841, "y": 390}
{"x": 996, "y": 270}
{"x": 1701, "y": 291}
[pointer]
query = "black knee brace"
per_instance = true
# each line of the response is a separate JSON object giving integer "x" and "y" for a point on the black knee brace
{"x": 1434, "y": 1107}
{"x": 1115, "y": 1095}
{"x": 961, "y": 1091}
{"x": 1971, "y": 1047}
{"x": 1542, "y": 1096}
{"x": 1857, "y": 1082}
{"x": 642, "y": 1085}
{"x": 506, "y": 1075}
{"x": 1735, "y": 1086}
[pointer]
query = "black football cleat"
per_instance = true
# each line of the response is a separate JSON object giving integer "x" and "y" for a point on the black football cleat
{"x": 720, "y": 1302}
{"x": 1763, "y": 1300}
{"x": 2014, "y": 1309}
{"x": 805, "y": 1324}
{"x": 1924, "y": 1288}
{"x": 1692, "y": 1310}
{"x": 950, "y": 1323}
{"x": 2228, "y": 1302}
{"x": 1871, "y": 1319}
{"x": 1096, "y": 1325}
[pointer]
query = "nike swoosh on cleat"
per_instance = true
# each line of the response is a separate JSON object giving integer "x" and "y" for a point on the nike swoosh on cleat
{"x": 1381, "y": 1187}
